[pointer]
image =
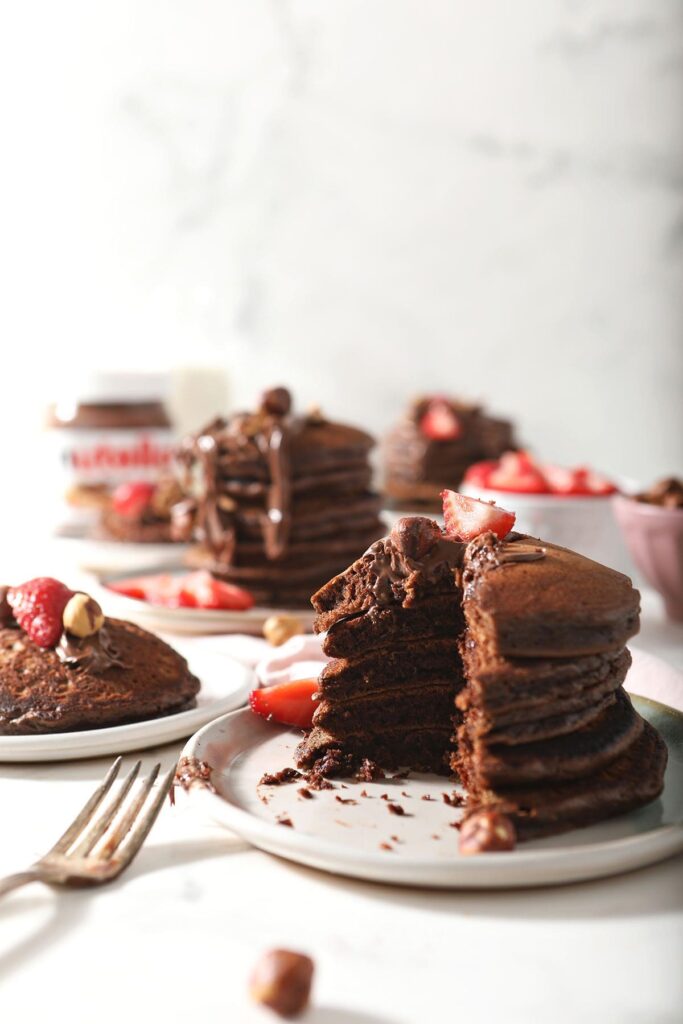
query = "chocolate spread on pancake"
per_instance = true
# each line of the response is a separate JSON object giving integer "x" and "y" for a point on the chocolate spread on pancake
{"x": 96, "y": 652}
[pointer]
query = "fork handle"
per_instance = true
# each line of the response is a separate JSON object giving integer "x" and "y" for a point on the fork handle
{"x": 12, "y": 882}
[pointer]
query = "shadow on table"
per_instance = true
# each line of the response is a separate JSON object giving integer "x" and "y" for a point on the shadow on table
{"x": 161, "y": 856}
{"x": 68, "y": 909}
{"x": 651, "y": 890}
{"x": 336, "y": 1015}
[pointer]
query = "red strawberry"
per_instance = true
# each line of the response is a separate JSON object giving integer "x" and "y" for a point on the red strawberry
{"x": 440, "y": 423}
{"x": 517, "y": 472}
{"x": 133, "y": 586}
{"x": 131, "y": 500}
{"x": 38, "y": 606}
{"x": 467, "y": 518}
{"x": 289, "y": 703}
{"x": 478, "y": 474}
{"x": 207, "y": 592}
{"x": 579, "y": 482}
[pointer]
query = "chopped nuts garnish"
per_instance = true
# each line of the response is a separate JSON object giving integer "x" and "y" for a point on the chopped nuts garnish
{"x": 82, "y": 616}
{"x": 279, "y": 628}
{"x": 486, "y": 831}
{"x": 282, "y": 981}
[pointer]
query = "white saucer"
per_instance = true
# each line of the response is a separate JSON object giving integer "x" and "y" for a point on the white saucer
{"x": 225, "y": 685}
{"x": 346, "y": 838}
{"x": 189, "y": 620}
{"x": 114, "y": 556}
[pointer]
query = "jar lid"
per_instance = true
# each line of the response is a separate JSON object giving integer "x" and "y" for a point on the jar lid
{"x": 117, "y": 387}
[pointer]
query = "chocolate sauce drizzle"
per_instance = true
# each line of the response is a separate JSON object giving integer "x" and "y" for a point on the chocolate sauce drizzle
{"x": 213, "y": 521}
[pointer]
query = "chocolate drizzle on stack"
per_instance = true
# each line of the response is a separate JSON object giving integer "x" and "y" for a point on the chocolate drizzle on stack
{"x": 281, "y": 500}
{"x": 97, "y": 652}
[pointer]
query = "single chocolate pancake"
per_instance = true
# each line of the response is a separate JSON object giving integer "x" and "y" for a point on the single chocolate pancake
{"x": 120, "y": 674}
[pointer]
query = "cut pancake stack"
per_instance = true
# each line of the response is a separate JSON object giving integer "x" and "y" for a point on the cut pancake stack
{"x": 549, "y": 736}
{"x": 393, "y": 622}
{"x": 503, "y": 659}
{"x": 283, "y": 502}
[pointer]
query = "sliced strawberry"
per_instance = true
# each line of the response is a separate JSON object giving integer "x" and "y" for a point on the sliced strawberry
{"x": 440, "y": 422}
{"x": 560, "y": 480}
{"x": 130, "y": 500}
{"x": 208, "y": 592}
{"x": 288, "y": 703}
{"x": 135, "y": 586}
{"x": 517, "y": 472}
{"x": 467, "y": 518}
{"x": 38, "y": 606}
{"x": 578, "y": 482}
{"x": 478, "y": 474}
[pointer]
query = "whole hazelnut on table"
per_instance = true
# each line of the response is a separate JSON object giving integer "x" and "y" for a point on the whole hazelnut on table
{"x": 279, "y": 628}
{"x": 82, "y": 616}
{"x": 282, "y": 981}
{"x": 486, "y": 831}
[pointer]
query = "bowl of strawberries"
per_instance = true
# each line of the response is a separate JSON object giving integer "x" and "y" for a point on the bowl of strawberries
{"x": 572, "y": 507}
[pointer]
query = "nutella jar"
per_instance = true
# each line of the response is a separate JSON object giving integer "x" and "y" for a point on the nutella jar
{"x": 107, "y": 429}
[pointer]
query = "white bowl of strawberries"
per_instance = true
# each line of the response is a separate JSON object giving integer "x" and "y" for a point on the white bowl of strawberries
{"x": 570, "y": 507}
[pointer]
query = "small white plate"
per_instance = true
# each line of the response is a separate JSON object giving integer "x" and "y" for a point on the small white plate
{"x": 346, "y": 838}
{"x": 115, "y": 556}
{"x": 225, "y": 685}
{"x": 189, "y": 620}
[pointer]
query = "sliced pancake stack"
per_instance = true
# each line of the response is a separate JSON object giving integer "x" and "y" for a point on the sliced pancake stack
{"x": 503, "y": 659}
{"x": 393, "y": 620}
{"x": 283, "y": 501}
{"x": 549, "y": 735}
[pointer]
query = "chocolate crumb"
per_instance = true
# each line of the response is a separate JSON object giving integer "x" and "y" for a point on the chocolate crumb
{"x": 190, "y": 770}
{"x": 369, "y": 771}
{"x": 280, "y": 778}
{"x": 305, "y": 792}
{"x": 454, "y": 824}
{"x": 365, "y": 793}
{"x": 426, "y": 796}
{"x": 384, "y": 796}
{"x": 385, "y": 846}
{"x": 453, "y": 799}
{"x": 283, "y": 819}
{"x": 403, "y": 793}
{"x": 395, "y": 839}
{"x": 436, "y": 837}
{"x": 395, "y": 809}
{"x": 342, "y": 786}
{"x": 345, "y": 800}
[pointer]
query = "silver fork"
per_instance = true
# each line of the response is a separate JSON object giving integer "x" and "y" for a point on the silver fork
{"x": 73, "y": 860}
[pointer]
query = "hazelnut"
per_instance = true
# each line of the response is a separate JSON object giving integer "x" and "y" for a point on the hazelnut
{"x": 82, "y": 616}
{"x": 279, "y": 628}
{"x": 167, "y": 493}
{"x": 276, "y": 401}
{"x": 314, "y": 415}
{"x": 227, "y": 503}
{"x": 282, "y": 981}
{"x": 486, "y": 831}
{"x": 415, "y": 536}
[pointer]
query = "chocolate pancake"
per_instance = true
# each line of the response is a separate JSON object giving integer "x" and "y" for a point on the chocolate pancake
{"x": 124, "y": 674}
{"x": 503, "y": 659}
{"x": 632, "y": 779}
{"x": 283, "y": 501}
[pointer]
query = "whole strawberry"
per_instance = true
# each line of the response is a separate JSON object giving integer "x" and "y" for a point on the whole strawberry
{"x": 38, "y": 606}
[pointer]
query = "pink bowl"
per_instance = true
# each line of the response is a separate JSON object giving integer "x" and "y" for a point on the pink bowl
{"x": 654, "y": 536}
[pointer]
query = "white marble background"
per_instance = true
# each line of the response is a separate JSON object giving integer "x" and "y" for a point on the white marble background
{"x": 363, "y": 198}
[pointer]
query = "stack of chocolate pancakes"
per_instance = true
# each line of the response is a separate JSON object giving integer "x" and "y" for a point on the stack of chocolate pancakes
{"x": 502, "y": 660}
{"x": 283, "y": 502}
{"x": 432, "y": 446}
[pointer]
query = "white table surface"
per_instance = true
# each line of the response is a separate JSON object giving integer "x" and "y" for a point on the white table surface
{"x": 175, "y": 937}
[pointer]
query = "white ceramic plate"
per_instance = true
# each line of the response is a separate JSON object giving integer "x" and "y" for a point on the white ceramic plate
{"x": 345, "y": 838}
{"x": 110, "y": 556}
{"x": 196, "y": 621}
{"x": 225, "y": 685}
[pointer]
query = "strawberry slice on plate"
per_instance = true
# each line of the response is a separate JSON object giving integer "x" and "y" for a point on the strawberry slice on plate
{"x": 479, "y": 473}
{"x": 467, "y": 518}
{"x": 517, "y": 472}
{"x": 206, "y": 592}
{"x": 130, "y": 500}
{"x": 440, "y": 422}
{"x": 288, "y": 703}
